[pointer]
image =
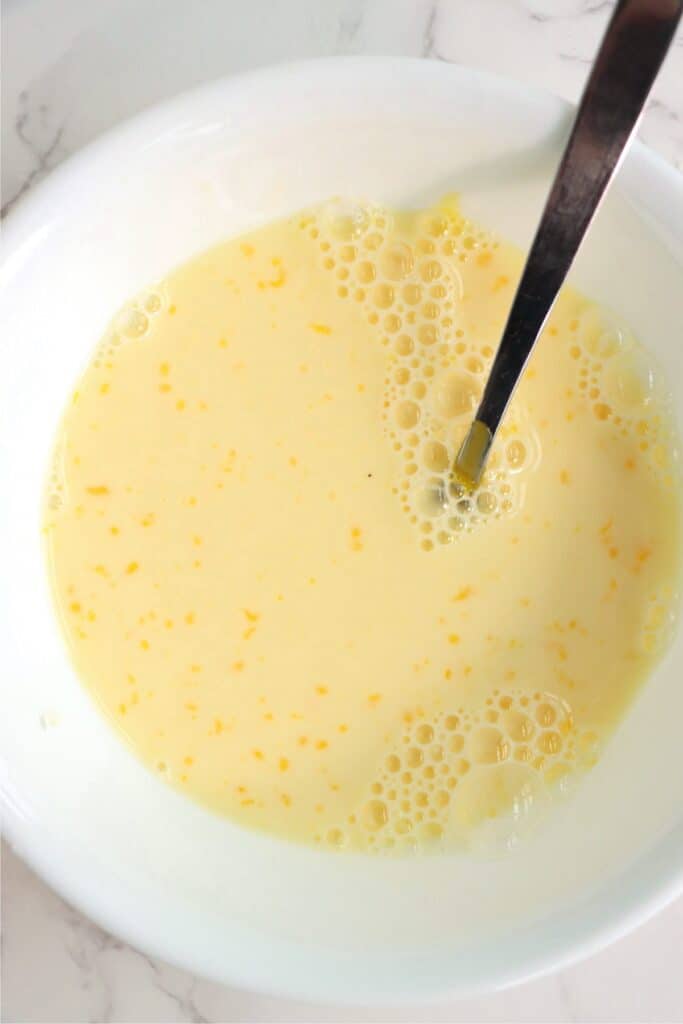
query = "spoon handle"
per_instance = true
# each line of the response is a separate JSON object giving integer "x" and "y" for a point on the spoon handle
{"x": 630, "y": 56}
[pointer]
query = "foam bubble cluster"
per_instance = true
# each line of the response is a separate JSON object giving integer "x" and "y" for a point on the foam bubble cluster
{"x": 619, "y": 384}
{"x": 406, "y": 275}
{"x": 451, "y": 772}
{"x": 131, "y": 323}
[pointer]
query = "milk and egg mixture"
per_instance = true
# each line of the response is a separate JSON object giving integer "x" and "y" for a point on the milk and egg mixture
{"x": 259, "y": 583}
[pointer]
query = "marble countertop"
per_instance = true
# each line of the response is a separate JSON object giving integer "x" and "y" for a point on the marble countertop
{"x": 73, "y": 68}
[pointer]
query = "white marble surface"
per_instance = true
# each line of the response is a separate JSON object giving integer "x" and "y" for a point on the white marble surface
{"x": 71, "y": 69}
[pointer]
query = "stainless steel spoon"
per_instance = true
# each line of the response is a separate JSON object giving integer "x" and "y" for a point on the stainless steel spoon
{"x": 631, "y": 53}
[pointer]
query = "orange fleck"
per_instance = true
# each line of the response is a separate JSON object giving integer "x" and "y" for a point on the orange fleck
{"x": 463, "y": 593}
{"x": 188, "y": 760}
{"x": 98, "y": 490}
{"x": 144, "y": 644}
{"x": 114, "y": 531}
{"x": 258, "y": 754}
{"x": 75, "y": 607}
{"x": 104, "y": 388}
{"x": 251, "y": 616}
{"x": 564, "y": 476}
{"x": 374, "y": 698}
{"x": 132, "y": 567}
{"x": 343, "y": 727}
{"x": 321, "y": 744}
{"x": 246, "y": 249}
{"x": 189, "y": 618}
{"x": 320, "y": 328}
{"x": 164, "y": 369}
{"x": 283, "y": 764}
{"x": 453, "y": 638}
{"x": 322, "y": 690}
{"x": 237, "y": 666}
{"x": 172, "y": 310}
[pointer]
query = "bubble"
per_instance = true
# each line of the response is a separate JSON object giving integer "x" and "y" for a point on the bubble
{"x": 516, "y": 454}
{"x": 430, "y": 310}
{"x": 517, "y": 726}
{"x": 456, "y": 395}
{"x": 132, "y": 323}
{"x": 486, "y": 503}
{"x": 383, "y": 296}
{"x": 407, "y": 415}
{"x": 435, "y": 456}
{"x": 404, "y": 345}
{"x": 549, "y": 742}
{"x": 629, "y": 382}
{"x": 365, "y": 272}
{"x": 545, "y": 714}
{"x": 414, "y": 757}
{"x": 373, "y": 241}
{"x": 412, "y": 294}
{"x": 375, "y": 814}
{"x": 396, "y": 261}
{"x": 488, "y": 746}
{"x": 430, "y": 502}
{"x": 345, "y": 224}
{"x": 393, "y": 763}
{"x": 424, "y": 733}
{"x": 428, "y": 334}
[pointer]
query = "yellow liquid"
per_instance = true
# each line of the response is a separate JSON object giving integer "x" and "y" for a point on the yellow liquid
{"x": 257, "y": 575}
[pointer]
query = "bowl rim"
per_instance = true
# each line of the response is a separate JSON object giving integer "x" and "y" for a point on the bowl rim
{"x": 646, "y": 887}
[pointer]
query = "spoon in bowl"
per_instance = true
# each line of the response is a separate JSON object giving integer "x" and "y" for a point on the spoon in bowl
{"x": 631, "y": 53}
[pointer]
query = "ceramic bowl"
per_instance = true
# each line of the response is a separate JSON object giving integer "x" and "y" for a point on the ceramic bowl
{"x": 143, "y": 861}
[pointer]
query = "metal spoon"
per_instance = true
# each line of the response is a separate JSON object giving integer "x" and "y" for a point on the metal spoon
{"x": 631, "y": 53}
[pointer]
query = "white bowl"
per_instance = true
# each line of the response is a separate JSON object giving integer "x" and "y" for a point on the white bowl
{"x": 142, "y": 860}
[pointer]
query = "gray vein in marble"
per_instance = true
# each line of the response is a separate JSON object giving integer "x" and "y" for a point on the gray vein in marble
{"x": 430, "y": 50}
{"x": 44, "y": 156}
{"x": 186, "y": 1003}
{"x": 596, "y": 6}
{"x": 350, "y": 23}
{"x": 575, "y": 58}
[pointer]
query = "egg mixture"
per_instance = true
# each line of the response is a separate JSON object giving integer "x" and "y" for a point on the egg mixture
{"x": 255, "y": 570}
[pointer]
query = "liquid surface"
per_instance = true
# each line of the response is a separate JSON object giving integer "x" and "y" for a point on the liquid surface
{"x": 256, "y": 571}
